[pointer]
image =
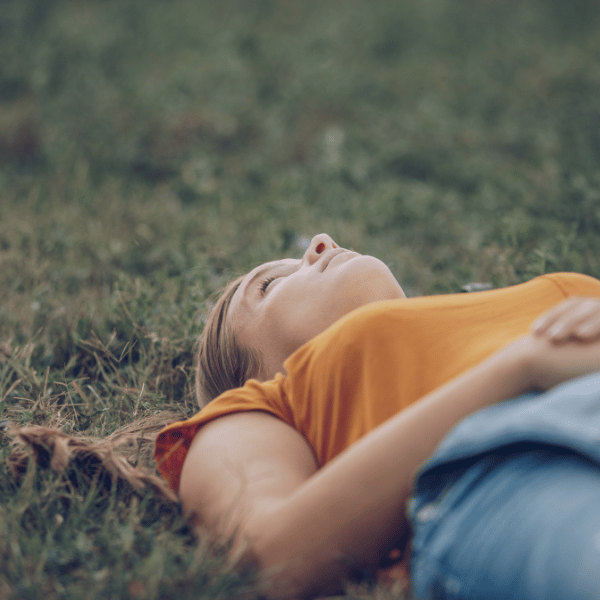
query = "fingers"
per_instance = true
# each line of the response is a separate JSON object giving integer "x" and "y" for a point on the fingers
{"x": 576, "y": 317}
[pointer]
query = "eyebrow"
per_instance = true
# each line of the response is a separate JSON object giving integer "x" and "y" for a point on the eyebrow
{"x": 266, "y": 268}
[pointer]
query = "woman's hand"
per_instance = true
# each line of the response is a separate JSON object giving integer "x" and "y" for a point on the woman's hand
{"x": 548, "y": 363}
{"x": 574, "y": 319}
{"x": 565, "y": 342}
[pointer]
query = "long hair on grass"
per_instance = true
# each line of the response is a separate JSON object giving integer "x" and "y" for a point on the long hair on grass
{"x": 116, "y": 463}
{"x": 123, "y": 459}
{"x": 222, "y": 363}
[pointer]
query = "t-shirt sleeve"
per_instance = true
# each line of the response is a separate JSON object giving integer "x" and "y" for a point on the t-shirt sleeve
{"x": 173, "y": 442}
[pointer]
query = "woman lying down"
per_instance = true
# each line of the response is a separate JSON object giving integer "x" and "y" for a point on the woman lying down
{"x": 344, "y": 425}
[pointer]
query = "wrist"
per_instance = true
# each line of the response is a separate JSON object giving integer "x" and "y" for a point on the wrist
{"x": 520, "y": 365}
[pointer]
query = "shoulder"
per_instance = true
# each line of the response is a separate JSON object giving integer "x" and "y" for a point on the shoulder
{"x": 572, "y": 284}
{"x": 173, "y": 442}
{"x": 240, "y": 465}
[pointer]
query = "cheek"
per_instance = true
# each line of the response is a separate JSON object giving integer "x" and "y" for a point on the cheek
{"x": 300, "y": 316}
{"x": 281, "y": 316}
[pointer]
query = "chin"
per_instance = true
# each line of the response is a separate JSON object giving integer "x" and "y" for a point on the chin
{"x": 374, "y": 277}
{"x": 363, "y": 284}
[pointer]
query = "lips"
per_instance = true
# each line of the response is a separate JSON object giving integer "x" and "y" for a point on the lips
{"x": 329, "y": 256}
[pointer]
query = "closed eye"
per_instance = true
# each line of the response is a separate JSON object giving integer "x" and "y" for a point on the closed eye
{"x": 264, "y": 284}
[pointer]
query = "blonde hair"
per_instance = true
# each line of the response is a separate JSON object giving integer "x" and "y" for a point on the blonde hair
{"x": 222, "y": 362}
{"x": 121, "y": 462}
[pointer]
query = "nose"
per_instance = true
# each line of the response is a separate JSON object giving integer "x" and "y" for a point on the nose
{"x": 319, "y": 244}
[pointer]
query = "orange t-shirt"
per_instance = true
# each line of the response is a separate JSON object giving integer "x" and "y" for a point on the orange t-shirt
{"x": 376, "y": 361}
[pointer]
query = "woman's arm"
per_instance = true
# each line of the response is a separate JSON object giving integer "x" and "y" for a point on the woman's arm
{"x": 309, "y": 529}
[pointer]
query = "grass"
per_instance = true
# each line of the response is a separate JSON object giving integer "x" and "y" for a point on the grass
{"x": 150, "y": 151}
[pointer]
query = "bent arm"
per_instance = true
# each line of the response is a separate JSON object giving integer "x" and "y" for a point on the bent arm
{"x": 310, "y": 528}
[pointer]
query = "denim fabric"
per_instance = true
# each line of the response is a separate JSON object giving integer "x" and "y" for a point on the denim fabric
{"x": 508, "y": 507}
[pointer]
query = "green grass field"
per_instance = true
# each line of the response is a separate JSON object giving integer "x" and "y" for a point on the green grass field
{"x": 150, "y": 151}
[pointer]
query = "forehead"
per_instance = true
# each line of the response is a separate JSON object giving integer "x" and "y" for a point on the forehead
{"x": 266, "y": 267}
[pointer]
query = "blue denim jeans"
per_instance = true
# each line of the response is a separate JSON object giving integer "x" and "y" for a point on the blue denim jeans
{"x": 508, "y": 507}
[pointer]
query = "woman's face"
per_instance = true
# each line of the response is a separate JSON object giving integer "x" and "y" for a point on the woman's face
{"x": 282, "y": 304}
